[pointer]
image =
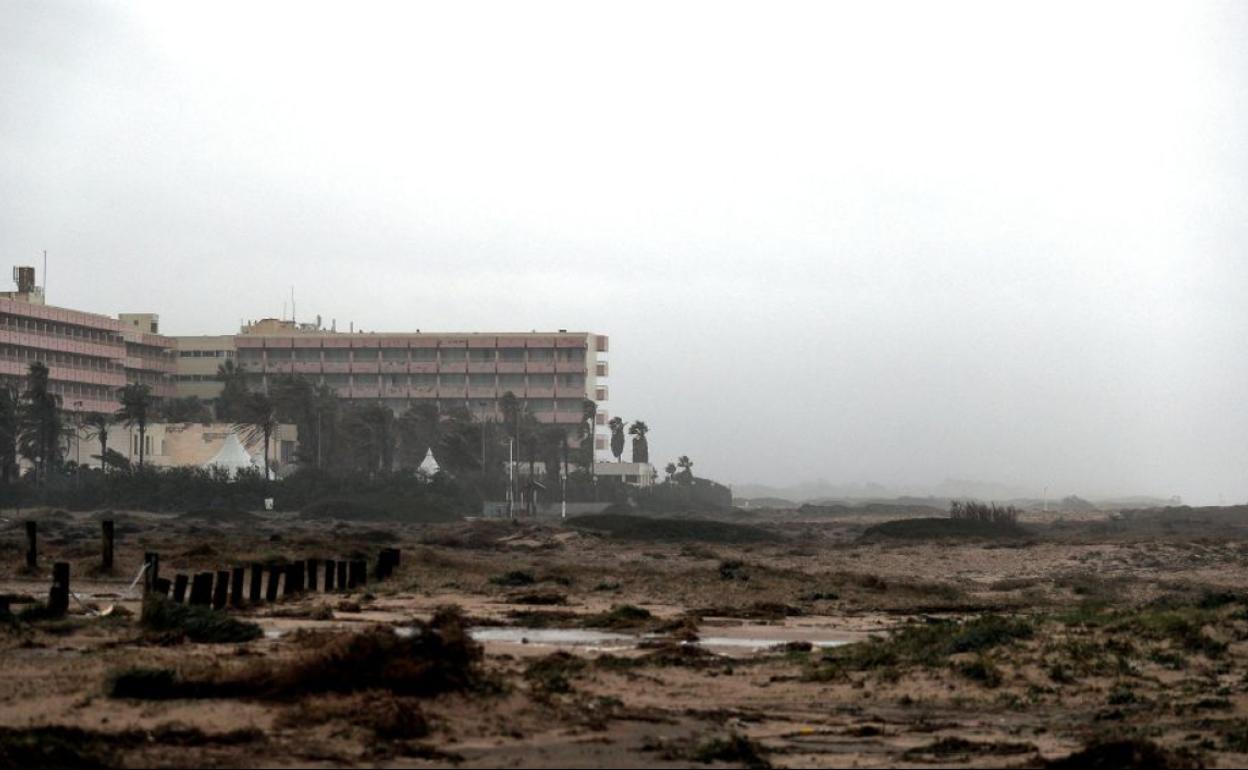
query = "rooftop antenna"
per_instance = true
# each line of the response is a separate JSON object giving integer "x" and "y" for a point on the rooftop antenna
{"x": 45, "y": 272}
{"x": 292, "y": 303}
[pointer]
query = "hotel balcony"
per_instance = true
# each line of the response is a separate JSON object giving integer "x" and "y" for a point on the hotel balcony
{"x": 85, "y": 376}
{"x": 62, "y": 344}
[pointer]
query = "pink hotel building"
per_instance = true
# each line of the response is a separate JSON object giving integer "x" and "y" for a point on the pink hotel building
{"x": 90, "y": 357}
{"x": 551, "y": 373}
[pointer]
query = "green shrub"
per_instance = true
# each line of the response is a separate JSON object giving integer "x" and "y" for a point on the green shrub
{"x": 199, "y": 624}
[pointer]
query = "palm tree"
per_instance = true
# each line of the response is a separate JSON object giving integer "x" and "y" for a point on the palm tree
{"x": 686, "y": 468}
{"x": 259, "y": 423}
{"x": 380, "y": 420}
{"x": 232, "y": 404}
{"x": 10, "y": 430}
{"x": 418, "y": 431}
{"x": 96, "y": 425}
{"x": 185, "y": 410}
{"x": 137, "y": 406}
{"x": 511, "y": 407}
{"x": 641, "y": 448}
{"x": 589, "y": 418}
{"x": 671, "y": 471}
{"x": 41, "y": 421}
{"x": 617, "y": 438}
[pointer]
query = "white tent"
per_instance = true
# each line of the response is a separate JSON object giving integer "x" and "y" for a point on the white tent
{"x": 233, "y": 456}
{"x": 429, "y": 465}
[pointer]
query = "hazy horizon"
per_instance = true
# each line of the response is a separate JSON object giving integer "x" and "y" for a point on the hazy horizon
{"x": 890, "y": 242}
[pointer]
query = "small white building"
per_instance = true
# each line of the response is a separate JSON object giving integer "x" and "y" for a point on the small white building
{"x": 637, "y": 474}
{"x": 186, "y": 443}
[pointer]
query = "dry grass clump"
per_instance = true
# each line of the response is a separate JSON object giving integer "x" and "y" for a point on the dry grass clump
{"x": 439, "y": 656}
{"x": 387, "y": 716}
{"x": 983, "y": 512}
{"x": 198, "y": 624}
{"x": 1126, "y": 754}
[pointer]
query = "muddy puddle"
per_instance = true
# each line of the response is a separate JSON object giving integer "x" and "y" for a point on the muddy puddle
{"x": 744, "y": 640}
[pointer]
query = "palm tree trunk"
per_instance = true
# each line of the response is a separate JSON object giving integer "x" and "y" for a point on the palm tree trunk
{"x": 142, "y": 443}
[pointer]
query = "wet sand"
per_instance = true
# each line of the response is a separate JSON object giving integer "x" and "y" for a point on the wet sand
{"x": 718, "y": 655}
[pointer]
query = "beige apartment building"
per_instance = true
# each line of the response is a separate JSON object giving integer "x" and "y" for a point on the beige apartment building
{"x": 552, "y": 373}
{"x": 198, "y": 360}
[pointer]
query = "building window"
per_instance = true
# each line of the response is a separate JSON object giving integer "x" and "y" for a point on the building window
{"x": 512, "y": 382}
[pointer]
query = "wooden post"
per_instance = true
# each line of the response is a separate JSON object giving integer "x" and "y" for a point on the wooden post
{"x": 221, "y": 590}
{"x": 294, "y": 579}
{"x": 257, "y": 577}
{"x": 107, "y": 556}
{"x": 58, "y": 596}
{"x": 179, "y": 588}
{"x": 342, "y": 575}
{"x": 161, "y": 587}
{"x": 236, "y": 587}
{"x": 201, "y": 589}
{"x": 275, "y": 574}
{"x": 330, "y": 569}
{"x": 32, "y": 550}
{"x": 387, "y": 560}
{"x": 312, "y": 569}
{"x": 358, "y": 574}
{"x": 152, "y": 560}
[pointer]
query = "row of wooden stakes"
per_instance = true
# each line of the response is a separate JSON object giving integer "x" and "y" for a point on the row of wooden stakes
{"x": 294, "y": 579}
{"x": 234, "y": 588}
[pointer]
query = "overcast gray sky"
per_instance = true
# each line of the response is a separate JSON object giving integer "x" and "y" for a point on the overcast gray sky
{"x": 872, "y": 241}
